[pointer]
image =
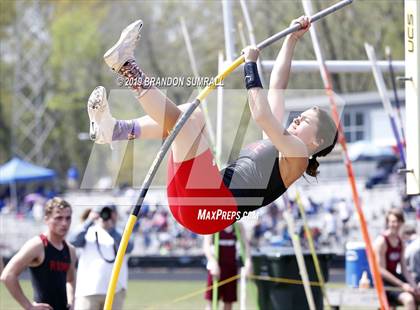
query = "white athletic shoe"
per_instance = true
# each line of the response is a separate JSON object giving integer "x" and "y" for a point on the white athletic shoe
{"x": 123, "y": 50}
{"x": 101, "y": 121}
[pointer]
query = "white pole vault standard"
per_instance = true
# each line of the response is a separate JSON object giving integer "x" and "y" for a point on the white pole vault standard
{"x": 219, "y": 118}
{"x": 298, "y": 252}
{"x": 312, "y": 249}
{"x": 171, "y": 137}
{"x": 412, "y": 94}
{"x": 380, "y": 83}
{"x": 252, "y": 40}
{"x": 242, "y": 290}
{"x": 326, "y": 77}
{"x": 195, "y": 72}
{"x": 215, "y": 280}
{"x": 340, "y": 66}
{"x": 228, "y": 29}
{"x": 242, "y": 278}
{"x": 242, "y": 34}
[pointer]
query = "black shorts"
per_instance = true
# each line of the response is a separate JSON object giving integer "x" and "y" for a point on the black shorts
{"x": 392, "y": 296}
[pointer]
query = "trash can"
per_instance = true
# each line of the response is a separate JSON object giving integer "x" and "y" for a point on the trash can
{"x": 282, "y": 264}
{"x": 356, "y": 263}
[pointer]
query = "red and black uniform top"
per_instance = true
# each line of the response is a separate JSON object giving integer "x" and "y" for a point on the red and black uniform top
{"x": 392, "y": 255}
{"x": 254, "y": 178}
{"x": 49, "y": 279}
{"x": 227, "y": 250}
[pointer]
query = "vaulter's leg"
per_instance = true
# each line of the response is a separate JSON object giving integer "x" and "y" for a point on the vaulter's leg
{"x": 104, "y": 128}
{"x": 190, "y": 142}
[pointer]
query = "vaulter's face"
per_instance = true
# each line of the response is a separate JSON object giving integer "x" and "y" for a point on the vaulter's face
{"x": 59, "y": 221}
{"x": 305, "y": 127}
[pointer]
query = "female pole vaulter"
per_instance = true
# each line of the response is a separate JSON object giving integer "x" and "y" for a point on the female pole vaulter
{"x": 202, "y": 198}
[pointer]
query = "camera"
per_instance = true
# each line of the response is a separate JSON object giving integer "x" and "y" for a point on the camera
{"x": 105, "y": 213}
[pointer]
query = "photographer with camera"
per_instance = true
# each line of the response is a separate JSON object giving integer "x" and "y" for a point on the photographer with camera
{"x": 98, "y": 241}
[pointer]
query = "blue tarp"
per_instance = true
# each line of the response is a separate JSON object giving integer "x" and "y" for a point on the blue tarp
{"x": 18, "y": 170}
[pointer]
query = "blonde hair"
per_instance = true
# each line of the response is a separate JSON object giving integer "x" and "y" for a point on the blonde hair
{"x": 53, "y": 203}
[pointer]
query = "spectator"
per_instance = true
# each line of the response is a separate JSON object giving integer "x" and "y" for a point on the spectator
{"x": 412, "y": 257}
{"x": 51, "y": 263}
{"x": 313, "y": 206}
{"x": 330, "y": 226}
{"x": 258, "y": 233}
{"x": 344, "y": 212}
{"x": 408, "y": 234}
{"x": 406, "y": 204}
{"x": 72, "y": 177}
{"x": 1, "y": 257}
{"x": 390, "y": 252}
{"x": 85, "y": 215}
{"x": 99, "y": 241}
{"x": 2, "y": 203}
{"x": 274, "y": 215}
{"x": 226, "y": 266}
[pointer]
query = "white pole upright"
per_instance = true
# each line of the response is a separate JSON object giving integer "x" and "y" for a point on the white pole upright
{"x": 219, "y": 121}
{"x": 299, "y": 255}
{"x": 195, "y": 72}
{"x": 228, "y": 29}
{"x": 412, "y": 94}
{"x": 252, "y": 40}
{"x": 242, "y": 290}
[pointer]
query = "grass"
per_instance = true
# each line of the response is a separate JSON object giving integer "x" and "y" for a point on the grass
{"x": 147, "y": 295}
{"x": 157, "y": 295}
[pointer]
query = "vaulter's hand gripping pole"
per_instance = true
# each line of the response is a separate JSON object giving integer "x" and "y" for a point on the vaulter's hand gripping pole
{"x": 179, "y": 124}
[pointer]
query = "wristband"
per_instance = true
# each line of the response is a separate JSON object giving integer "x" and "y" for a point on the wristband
{"x": 252, "y": 78}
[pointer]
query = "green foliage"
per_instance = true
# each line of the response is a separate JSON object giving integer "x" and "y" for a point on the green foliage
{"x": 75, "y": 70}
{"x": 7, "y": 17}
{"x": 75, "y": 51}
{"x": 151, "y": 294}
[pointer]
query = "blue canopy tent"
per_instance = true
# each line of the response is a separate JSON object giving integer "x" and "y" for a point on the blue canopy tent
{"x": 19, "y": 171}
